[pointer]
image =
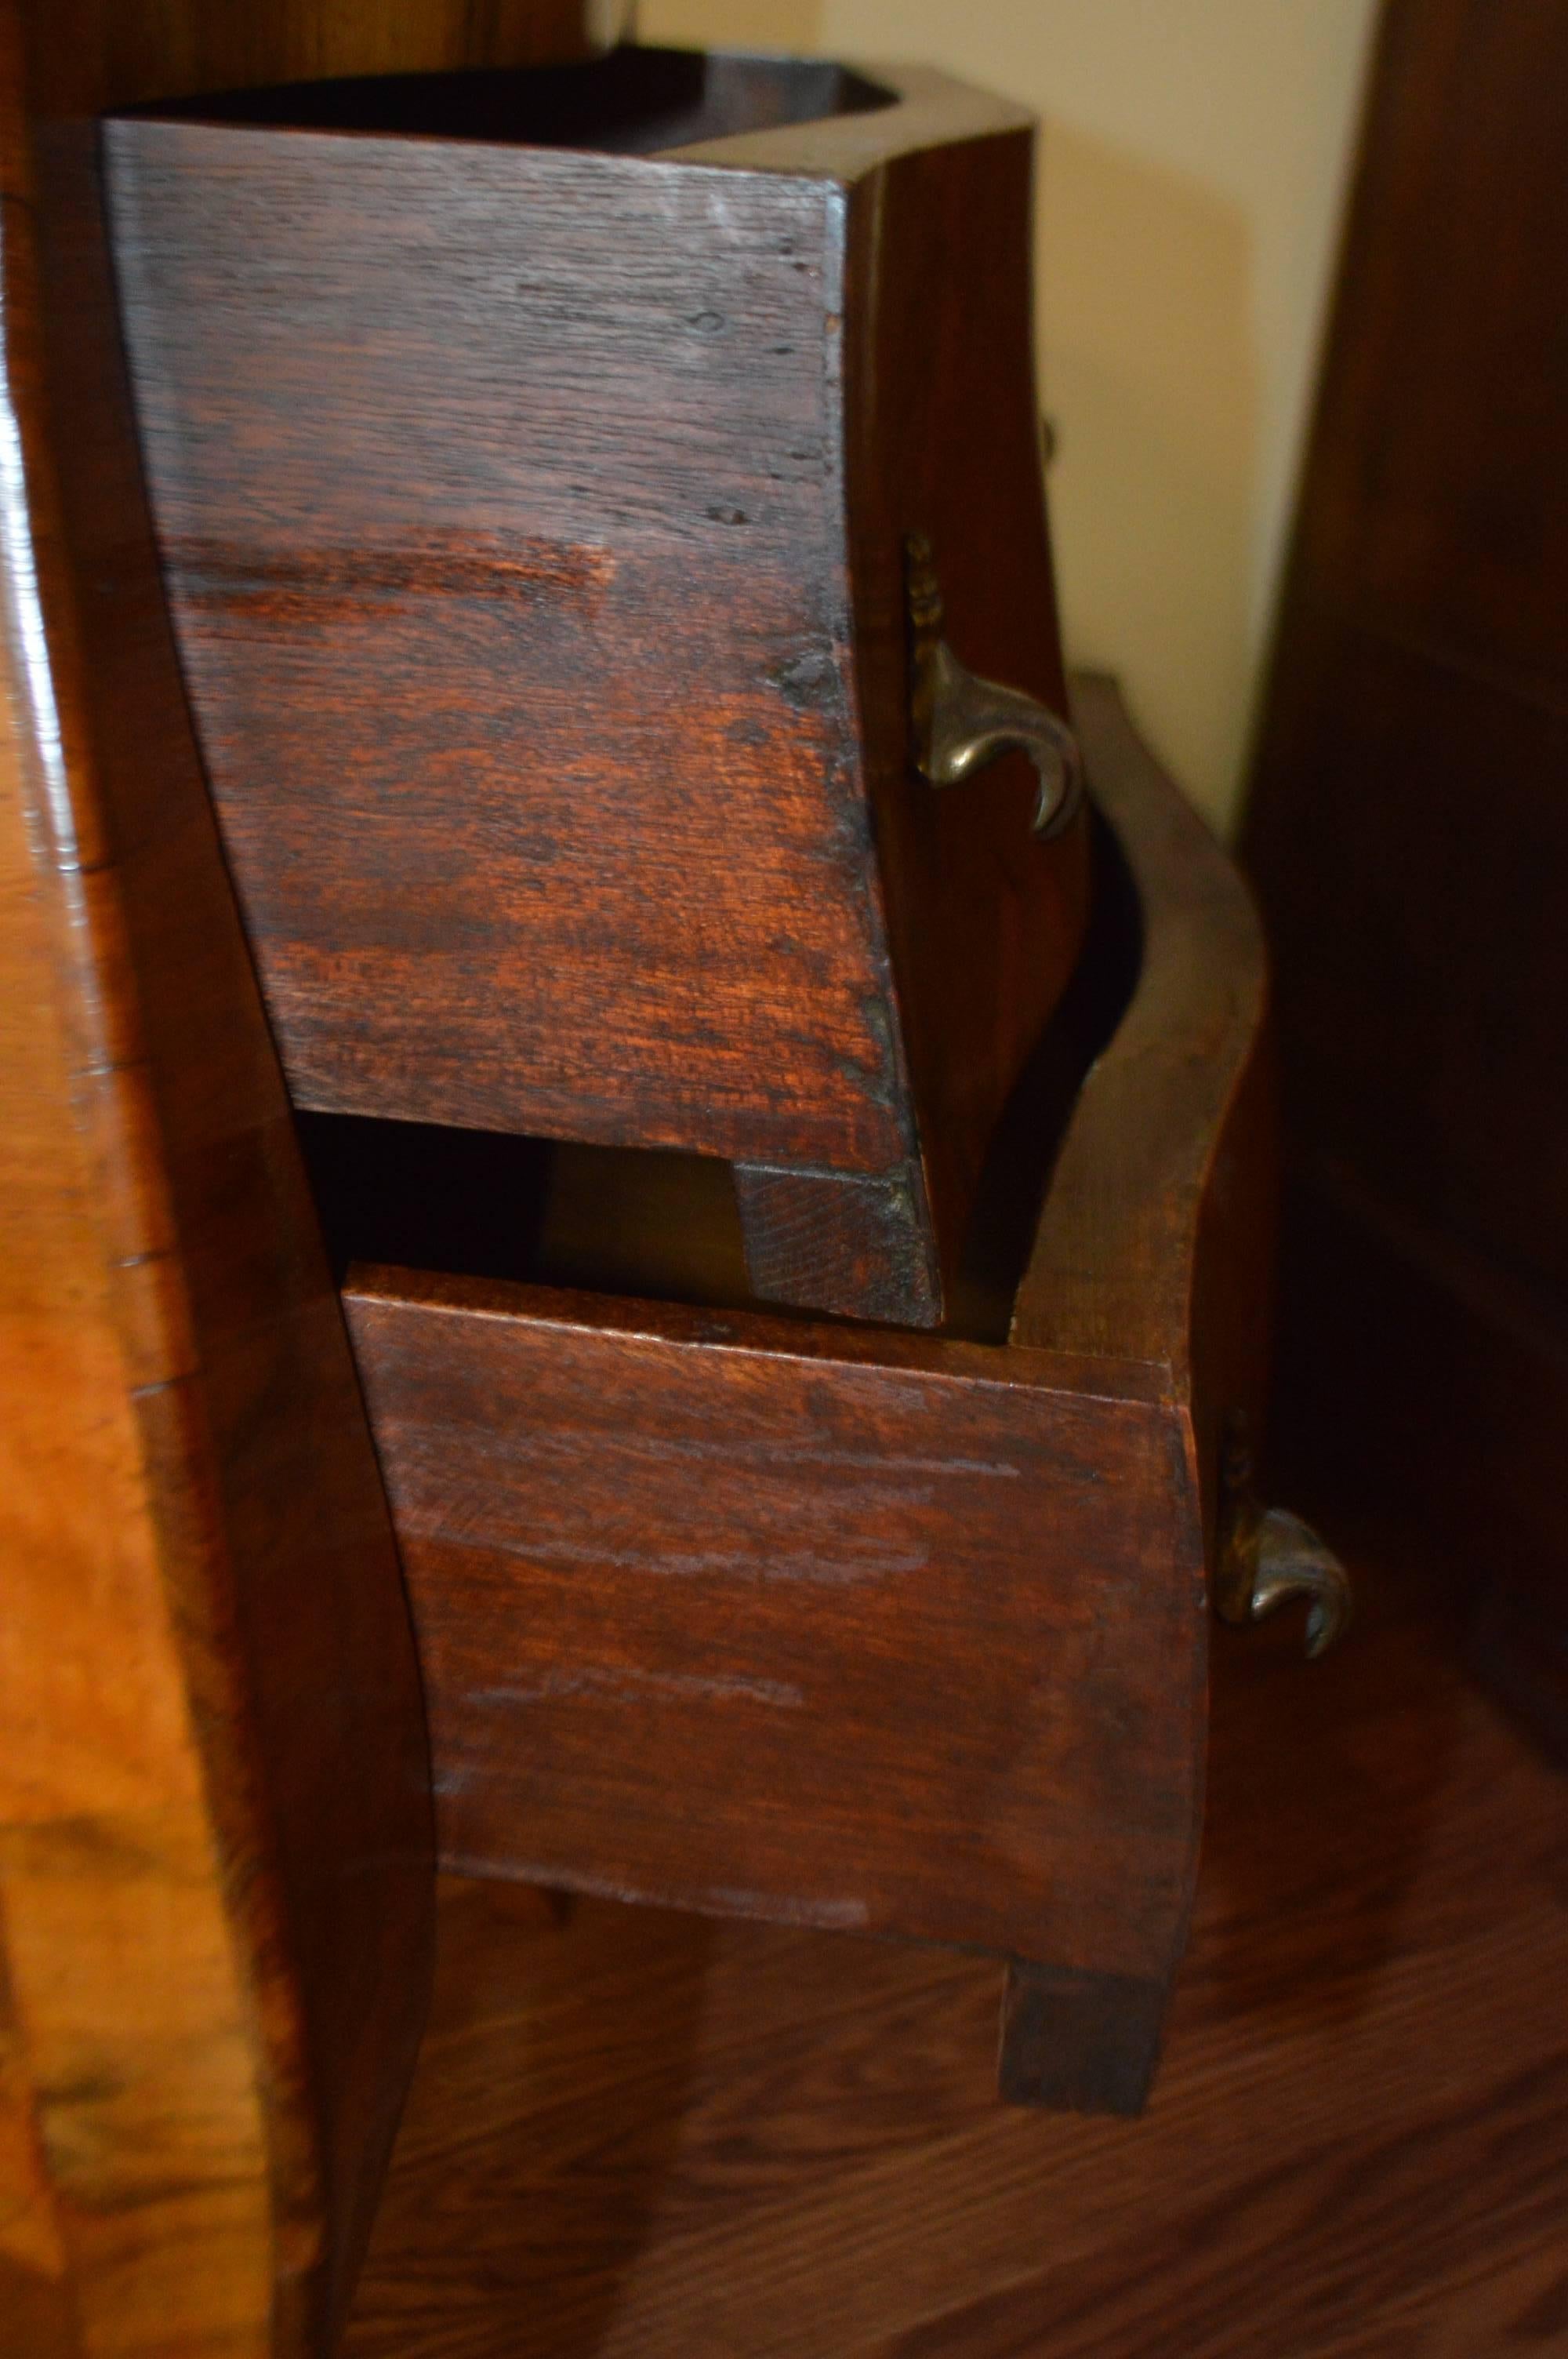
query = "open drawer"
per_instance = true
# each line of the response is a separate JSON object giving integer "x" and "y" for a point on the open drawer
{"x": 582, "y": 497}
{"x": 676, "y": 1637}
{"x": 843, "y": 1626}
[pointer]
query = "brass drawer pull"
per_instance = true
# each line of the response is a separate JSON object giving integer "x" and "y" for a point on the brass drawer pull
{"x": 962, "y": 722}
{"x": 1267, "y": 1556}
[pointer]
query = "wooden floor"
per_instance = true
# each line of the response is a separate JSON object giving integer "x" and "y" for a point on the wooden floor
{"x": 644, "y": 2136}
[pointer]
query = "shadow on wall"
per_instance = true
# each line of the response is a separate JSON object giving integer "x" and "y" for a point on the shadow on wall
{"x": 1150, "y": 375}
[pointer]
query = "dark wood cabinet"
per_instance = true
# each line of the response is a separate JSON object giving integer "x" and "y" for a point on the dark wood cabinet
{"x": 1408, "y": 823}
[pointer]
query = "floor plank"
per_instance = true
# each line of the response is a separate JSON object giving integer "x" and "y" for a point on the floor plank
{"x": 633, "y": 2133}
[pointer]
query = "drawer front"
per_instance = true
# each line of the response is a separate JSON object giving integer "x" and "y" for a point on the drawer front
{"x": 714, "y": 1615}
{"x": 534, "y": 527}
{"x": 508, "y": 573}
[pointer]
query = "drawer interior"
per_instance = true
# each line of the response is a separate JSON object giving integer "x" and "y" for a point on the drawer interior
{"x": 632, "y": 102}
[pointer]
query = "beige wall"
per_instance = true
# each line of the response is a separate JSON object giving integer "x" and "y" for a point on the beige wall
{"x": 1195, "y": 163}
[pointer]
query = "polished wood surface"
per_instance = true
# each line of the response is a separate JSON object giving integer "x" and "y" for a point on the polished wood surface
{"x": 483, "y": 686}
{"x": 90, "y": 54}
{"x": 839, "y": 1627}
{"x": 1409, "y": 828}
{"x": 1156, "y": 1237}
{"x": 640, "y": 2136}
{"x": 780, "y": 1623}
{"x": 943, "y": 437}
{"x": 215, "y": 1845}
{"x": 534, "y": 522}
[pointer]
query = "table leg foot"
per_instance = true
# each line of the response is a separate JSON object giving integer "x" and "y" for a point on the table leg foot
{"x": 1084, "y": 2042}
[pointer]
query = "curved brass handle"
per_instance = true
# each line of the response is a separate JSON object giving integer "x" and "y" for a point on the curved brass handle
{"x": 1269, "y": 1556}
{"x": 961, "y": 723}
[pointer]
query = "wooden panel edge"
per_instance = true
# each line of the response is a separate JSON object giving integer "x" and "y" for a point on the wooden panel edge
{"x": 1112, "y": 1270}
{"x": 211, "y": 2120}
{"x": 930, "y": 109}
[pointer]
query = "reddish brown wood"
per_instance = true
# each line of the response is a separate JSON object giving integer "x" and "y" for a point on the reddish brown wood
{"x": 943, "y": 436}
{"x": 1409, "y": 829}
{"x": 216, "y": 1814}
{"x": 215, "y": 1842}
{"x": 786, "y": 1625}
{"x": 759, "y": 2140}
{"x": 88, "y": 54}
{"x": 849, "y": 1628}
{"x": 1156, "y": 1239}
{"x": 557, "y": 720}
{"x": 1084, "y": 2043}
{"x": 859, "y": 1245}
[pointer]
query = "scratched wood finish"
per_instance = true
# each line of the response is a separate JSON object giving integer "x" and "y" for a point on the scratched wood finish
{"x": 890, "y": 1632}
{"x": 215, "y": 1842}
{"x": 757, "y": 2140}
{"x": 906, "y": 1646}
{"x": 555, "y": 712}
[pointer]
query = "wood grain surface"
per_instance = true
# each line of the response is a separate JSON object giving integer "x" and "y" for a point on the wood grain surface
{"x": 642, "y": 2137}
{"x": 837, "y": 1626}
{"x": 943, "y": 437}
{"x": 1112, "y": 1264}
{"x": 780, "y": 1623}
{"x": 527, "y": 752}
{"x": 534, "y": 520}
{"x": 215, "y": 1862}
{"x": 1408, "y": 826}
{"x": 88, "y": 54}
